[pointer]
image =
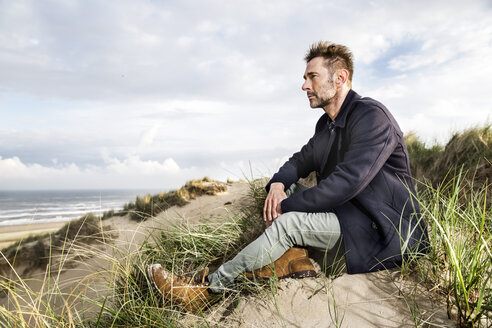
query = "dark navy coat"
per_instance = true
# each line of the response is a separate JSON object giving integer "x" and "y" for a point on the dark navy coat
{"x": 363, "y": 175}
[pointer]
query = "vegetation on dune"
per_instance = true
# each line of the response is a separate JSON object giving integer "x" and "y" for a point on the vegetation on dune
{"x": 25, "y": 306}
{"x": 458, "y": 264}
{"x": 182, "y": 248}
{"x": 34, "y": 252}
{"x": 469, "y": 152}
{"x": 150, "y": 205}
{"x": 422, "y": 157}
{"x": 453, "y": 186}
{"x": 454, "y": 191}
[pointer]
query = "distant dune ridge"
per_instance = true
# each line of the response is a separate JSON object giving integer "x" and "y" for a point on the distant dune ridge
{"x": 469, "y": 150}
{"x": 91, "y": 272}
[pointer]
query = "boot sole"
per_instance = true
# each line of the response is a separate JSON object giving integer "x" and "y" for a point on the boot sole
{"x": 303, "y": 274}
{"x": 294, "y": 275}
{"x": 151, "y": 276}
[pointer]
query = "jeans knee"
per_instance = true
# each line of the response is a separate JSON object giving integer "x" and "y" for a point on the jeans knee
{"x": 282, "y": 222}
{"x": 286, "y": 225}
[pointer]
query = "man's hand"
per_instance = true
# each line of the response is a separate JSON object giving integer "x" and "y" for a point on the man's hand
{"x": 272, "y": 208}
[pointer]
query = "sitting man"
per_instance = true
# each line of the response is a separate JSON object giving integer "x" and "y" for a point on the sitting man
{"x": 364, "y": 191}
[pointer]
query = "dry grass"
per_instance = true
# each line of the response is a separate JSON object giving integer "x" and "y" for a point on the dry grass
{"x": 469, "y": 151}
{"x": 34, "y": 252}
{"x": 151, "y": 205}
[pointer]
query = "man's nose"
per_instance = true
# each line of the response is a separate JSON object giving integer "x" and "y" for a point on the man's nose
{"x": 306, "y": 85}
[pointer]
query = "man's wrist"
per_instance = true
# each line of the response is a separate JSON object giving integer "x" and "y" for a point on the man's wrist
{"x": 277, "y": 185}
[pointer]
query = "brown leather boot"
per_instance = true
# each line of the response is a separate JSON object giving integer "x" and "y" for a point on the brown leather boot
{"x": 293, "y": 264}
{"x": 190, "y": 293}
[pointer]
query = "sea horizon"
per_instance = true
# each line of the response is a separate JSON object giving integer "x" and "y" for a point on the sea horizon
{"x": 62, "y": 205}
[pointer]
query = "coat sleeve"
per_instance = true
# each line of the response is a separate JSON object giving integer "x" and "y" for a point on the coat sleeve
{"x": 373, "y": 139}
{"x": 298, "y": 166}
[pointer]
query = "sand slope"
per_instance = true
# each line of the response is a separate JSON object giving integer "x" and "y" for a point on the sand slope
{"x": 363, "y": 300}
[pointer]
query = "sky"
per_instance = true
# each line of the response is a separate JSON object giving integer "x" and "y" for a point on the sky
{"x": 149, "y": 94}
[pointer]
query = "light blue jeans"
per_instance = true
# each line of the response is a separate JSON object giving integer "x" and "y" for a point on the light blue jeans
{"x": 318, "y": 230}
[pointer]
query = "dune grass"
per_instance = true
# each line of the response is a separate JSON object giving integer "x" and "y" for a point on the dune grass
{"x": 458, "y": 265}
{"x": 181, "y": 248}
{"x": 36, "y": 251}
{"x": 468, "y": 152}
{"x": 149, "y": 205}
{"x": 454, "y": 184}
{"x": 44, "y": 301}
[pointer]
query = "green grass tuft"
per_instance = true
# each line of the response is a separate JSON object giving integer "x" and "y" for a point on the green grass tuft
{"x": 459, "y": 262}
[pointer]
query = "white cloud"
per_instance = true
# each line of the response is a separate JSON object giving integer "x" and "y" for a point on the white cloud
{"x": 149, "y": 136}
{"x": 207, "y": 26}
{"x": 138, "y": 87}
{"x": 371, "y": 47}
{"x": 14, "y": 169}
{"x": 130, "y": 172}
{"x": 127, "y": 173}
{"x": 185, "y": 41}
{"x": 134, "y": 165}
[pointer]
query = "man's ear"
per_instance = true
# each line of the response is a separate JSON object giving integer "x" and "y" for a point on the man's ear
{"x": 342, "y": 77}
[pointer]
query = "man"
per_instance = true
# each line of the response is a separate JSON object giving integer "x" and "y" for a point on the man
{"x": 363, "y": 193}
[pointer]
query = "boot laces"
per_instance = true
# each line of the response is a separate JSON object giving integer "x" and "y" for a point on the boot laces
{"x": 196, "y": 279}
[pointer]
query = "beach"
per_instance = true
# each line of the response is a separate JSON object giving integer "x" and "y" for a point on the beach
{"x": 12, "y": 233}
{"x": 33, "y": 212}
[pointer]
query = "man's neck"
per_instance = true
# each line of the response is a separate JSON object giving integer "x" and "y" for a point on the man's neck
{"x": 333, "y": 108}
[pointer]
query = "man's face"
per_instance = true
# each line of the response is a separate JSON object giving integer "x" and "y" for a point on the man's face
{"x": 318, "y": 83}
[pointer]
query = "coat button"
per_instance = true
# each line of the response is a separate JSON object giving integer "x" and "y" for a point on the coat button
{"x": 373, "y": 225}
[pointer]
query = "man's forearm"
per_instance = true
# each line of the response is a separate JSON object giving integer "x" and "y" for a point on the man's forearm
{"x": 286, "y": 175}
{"x": 272, "y": 209}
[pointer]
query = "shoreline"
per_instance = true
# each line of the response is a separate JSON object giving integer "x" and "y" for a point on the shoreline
{"x": 9, "y": 234}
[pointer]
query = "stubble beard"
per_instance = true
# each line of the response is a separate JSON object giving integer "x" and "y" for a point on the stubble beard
{"x": 318, "y": 102}
{"x": 326, "y": 99}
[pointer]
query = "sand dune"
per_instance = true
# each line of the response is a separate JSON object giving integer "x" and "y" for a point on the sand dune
{"x": 364, "y": 300}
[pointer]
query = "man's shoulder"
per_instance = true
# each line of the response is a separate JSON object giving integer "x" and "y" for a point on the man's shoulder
{"x": 368, "y": 103}
{"x": 357, "y": 108}
{"x": 368, "y": 109}
{"x": 366, "y": 106}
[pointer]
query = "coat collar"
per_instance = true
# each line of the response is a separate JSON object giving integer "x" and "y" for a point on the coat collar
{"x": 345, "y": 109}
{"x": 341, "y": 118}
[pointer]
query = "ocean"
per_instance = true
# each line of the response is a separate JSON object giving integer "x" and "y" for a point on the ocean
{"x": 39, "y": 206}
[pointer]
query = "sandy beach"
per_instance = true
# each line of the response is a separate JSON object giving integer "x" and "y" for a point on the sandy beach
{"x": 13, "y": 233}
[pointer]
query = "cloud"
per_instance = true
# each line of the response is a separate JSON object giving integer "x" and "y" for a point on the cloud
{"x": 178, "y": 128}
{"x": 128, "y": 173}
{"x": 14, "y": 169}
{"x": 131, "y": 172}
{"x": 142, "y": 86}
{"x": 134, "y": 164}
{"x": 149, "y": 136}
{"x": 127, "y": 51}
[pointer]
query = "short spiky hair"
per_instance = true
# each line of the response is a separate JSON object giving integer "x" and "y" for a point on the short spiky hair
{"x": 336, "y": 56}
